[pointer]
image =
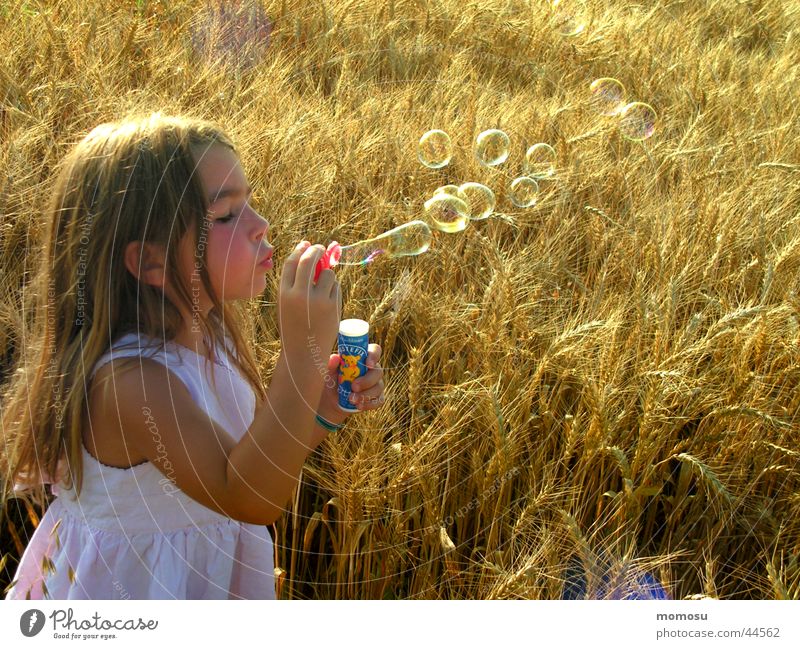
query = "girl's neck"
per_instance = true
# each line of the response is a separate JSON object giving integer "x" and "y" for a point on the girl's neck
{"x": 193, "y": 341}
{"x": 190, "y": 336}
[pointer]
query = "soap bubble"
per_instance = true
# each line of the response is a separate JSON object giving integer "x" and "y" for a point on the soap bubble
{"x": 567, "y": 16}
{"x": 238, "y": 34}
{"x": 540, "y": 161}
{"x": 480, "y": 199}
{"x": 453, "y": 190}
{"x": 447, "y": 213}
{"x": 637, "y": 121}
{"x": 608, "y": 96}
{"x": 491, "y": 147}
{"x": 412, "y": 238}
{"x": 435, "y": 149}
{"x": 524, "y": 191}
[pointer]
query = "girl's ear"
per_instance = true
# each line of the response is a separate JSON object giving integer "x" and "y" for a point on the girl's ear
{"x": 145, "y": 261}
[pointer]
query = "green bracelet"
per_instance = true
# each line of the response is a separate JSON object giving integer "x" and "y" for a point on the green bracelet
{"x": 328, "y": 425}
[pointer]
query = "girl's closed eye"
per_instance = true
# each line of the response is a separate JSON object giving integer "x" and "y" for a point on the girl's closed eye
{"x": 231, "y": 215}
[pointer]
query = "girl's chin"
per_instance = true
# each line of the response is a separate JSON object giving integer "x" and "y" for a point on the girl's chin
{"x": 259, "y": 285}
{"x": 256, "y": 288}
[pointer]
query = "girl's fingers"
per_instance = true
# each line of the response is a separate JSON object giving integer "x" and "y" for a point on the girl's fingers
{"x": 368, "y": 400}
{"x": 336, "y": 293}
{"x": 368, "y": 391}
{"x": 308, "y": 261}
{"x": 374, "y": 373}
{"x": 374, "y": 352}
{"x": 290, "y": 266}
{"x": 372, "y": 397}
{"x": 326, "y": 281}
{"x": 371, "y": 378}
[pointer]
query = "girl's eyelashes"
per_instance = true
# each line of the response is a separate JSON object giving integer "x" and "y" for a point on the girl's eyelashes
{"x": 229, "y": 216}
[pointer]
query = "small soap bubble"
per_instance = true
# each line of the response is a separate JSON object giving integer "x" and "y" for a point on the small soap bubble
{"x": 524, "y": 191}
{"x": 637, "y": 121}
{"x": 491, "y": 147}
{"x": 435, "y": 149}
{"x": 608, "y": 96}
{"x": 567, "y": 16}
{"x": 480, "y": 199}
{"x": 447, "y": 213}
{"x": 412, "y": 238}
{"x": 540, "y": 161}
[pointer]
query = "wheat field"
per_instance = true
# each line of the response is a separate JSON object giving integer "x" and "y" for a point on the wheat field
{"x": 611, "y": 376}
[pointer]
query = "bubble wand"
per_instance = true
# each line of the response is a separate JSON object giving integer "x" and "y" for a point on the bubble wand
{"x": 412, "y": 238}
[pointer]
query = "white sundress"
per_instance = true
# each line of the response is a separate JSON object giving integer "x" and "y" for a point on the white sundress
{"x": 133, "y": 534}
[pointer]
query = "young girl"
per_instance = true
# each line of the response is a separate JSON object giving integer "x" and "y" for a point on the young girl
{"x": 137, "y": 396}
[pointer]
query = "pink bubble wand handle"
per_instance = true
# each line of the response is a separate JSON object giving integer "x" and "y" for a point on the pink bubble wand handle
{"x": 329, "y": 258}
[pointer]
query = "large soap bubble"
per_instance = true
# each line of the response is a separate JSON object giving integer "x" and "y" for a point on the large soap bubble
{"x": 491, "y": 147}
{"x": 540, "y": 161}
{"x": 637, "y": 121}
{"x": 607, "y": 96}
{"x": 480, "y": 199}
{"x": 524, "y": 191}
{"x": 435, "y": 149}
{"x": 412, "y": 238}
{"x": 447, "y": 213}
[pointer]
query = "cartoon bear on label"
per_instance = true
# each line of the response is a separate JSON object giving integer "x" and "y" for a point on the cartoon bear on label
{"x": 349, "y": 367}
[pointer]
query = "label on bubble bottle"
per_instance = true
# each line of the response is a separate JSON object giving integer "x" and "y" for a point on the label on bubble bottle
{"x": 353, "y": 343}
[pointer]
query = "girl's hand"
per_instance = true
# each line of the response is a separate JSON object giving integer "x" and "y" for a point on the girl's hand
{"x": 308, "y": 312}
{"x": 368, "y": 390}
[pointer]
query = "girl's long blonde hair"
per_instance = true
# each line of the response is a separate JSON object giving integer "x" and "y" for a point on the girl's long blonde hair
{"x": 132, "y": 180}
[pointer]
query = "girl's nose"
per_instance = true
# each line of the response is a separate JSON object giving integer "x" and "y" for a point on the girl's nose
{"x": 261, "y": 227}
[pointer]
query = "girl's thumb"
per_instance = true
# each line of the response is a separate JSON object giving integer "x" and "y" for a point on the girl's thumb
{"x": 333, "y": 366}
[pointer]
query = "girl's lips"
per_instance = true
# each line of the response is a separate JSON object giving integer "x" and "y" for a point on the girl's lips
{"x": 267, "y": 263}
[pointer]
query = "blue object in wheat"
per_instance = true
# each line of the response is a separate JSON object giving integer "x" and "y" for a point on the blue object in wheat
{"x": 353, "y": 344}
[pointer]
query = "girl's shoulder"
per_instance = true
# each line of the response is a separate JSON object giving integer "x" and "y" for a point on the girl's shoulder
{"x": 181, "y": 360}
{"x": 126, "y": 345}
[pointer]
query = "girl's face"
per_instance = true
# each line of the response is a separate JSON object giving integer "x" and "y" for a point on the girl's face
{"x": 233, "y": 233}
